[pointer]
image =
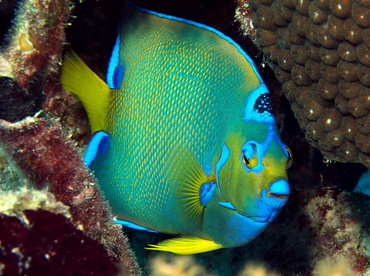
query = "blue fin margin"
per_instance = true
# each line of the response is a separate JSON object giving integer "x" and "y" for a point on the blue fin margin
{"x": 115, "y": 71}
{"x": 134, "y": 226}
{"x": 98, "y": 144}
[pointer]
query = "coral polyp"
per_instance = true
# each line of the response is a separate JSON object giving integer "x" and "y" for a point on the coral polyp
{"x": 319, "y": 51}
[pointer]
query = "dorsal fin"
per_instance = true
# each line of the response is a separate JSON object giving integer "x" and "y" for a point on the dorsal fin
{"x": 77, "y": 78}
{"x": 185, "y": 245}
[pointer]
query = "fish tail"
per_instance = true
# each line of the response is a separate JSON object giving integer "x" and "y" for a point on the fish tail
{"x": 79, "y": 79}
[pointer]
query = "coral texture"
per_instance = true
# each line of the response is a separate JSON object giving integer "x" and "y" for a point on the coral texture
{"x": 46, "y": 158}
{"x": 33, "y": 51}
{"x": 169, "y": 264}
{"x": 14, "y": 202}
{"x": 49, "y": 245}
{"x": 62, "y": 201}
{"x": 319, "y": 51}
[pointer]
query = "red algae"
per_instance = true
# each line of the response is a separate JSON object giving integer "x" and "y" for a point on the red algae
{"x": 48, "y": 159}
{"x": 35, "y": 144}
{"x": 50, "y": 245}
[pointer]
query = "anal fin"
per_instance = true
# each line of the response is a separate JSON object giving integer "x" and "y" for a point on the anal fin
{"x": 185, "y": 245}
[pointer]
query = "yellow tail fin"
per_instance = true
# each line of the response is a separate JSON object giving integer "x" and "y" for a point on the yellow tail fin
{"x": 93, "y": 92}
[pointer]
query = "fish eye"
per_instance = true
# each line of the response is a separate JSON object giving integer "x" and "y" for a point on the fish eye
{"x": 249, "y": 155}
{"x": 290, "y": 158}
{"x": 245, "y": 160}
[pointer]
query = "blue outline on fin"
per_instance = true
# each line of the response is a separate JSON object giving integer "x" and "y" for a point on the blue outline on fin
{"x": 113, "y": 63}
{"x": 98, "y": 143}
{"x": 133, "y": 225}
{"x": 200, "y": 25}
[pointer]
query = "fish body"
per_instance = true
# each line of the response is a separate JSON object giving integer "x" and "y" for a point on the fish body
{"x": 185, "y": 141}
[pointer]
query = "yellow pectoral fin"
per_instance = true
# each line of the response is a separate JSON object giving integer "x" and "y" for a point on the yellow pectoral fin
{"x": 188, "y": 176}
{"x": 185, "y": 245}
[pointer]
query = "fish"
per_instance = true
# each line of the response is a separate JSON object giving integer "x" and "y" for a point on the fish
{"x": 184, "y": 139}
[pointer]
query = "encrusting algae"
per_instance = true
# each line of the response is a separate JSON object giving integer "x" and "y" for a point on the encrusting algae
{"x": 61, "y": 215}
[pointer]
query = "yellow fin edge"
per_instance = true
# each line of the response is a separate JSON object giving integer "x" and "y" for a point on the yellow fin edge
{"x": 185, "y": 245}
{"x": 77, "y": 78}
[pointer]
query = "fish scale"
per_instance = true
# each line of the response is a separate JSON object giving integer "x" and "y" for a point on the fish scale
{"x": 190, "y": 122}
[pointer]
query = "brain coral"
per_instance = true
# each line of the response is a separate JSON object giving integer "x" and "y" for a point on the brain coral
{"x": 320, "y": 52}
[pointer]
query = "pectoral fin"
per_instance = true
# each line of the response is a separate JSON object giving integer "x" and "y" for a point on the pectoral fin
{"x": 185, "y": 245}
{"x": 193, "y": 187}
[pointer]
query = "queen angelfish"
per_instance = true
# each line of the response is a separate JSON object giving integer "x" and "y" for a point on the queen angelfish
{"x": 185, "y": 141}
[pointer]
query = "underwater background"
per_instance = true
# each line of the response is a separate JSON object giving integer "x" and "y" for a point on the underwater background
{"x": 314, "y": 57}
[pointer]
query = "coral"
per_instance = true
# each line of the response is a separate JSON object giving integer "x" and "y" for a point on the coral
{"x": 319, "y": 51}
{"x": 168, "y": 264}
{"x": 330, "y": 267}
{"x": 33, "y": 50}
{"x": 14, "y": 202}
{"x": 8, "y": 177}
{"x": 253, "y": 269}
{"x": 322, "y": 224}
{"x": 62, "y": 201}
{"x": 45, "y": 157}
{"x": 48, "y": 244}
{"x": 244, "y": 16}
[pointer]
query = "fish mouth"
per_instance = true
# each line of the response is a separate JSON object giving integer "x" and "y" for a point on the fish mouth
{"x": 281, "y": 196}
